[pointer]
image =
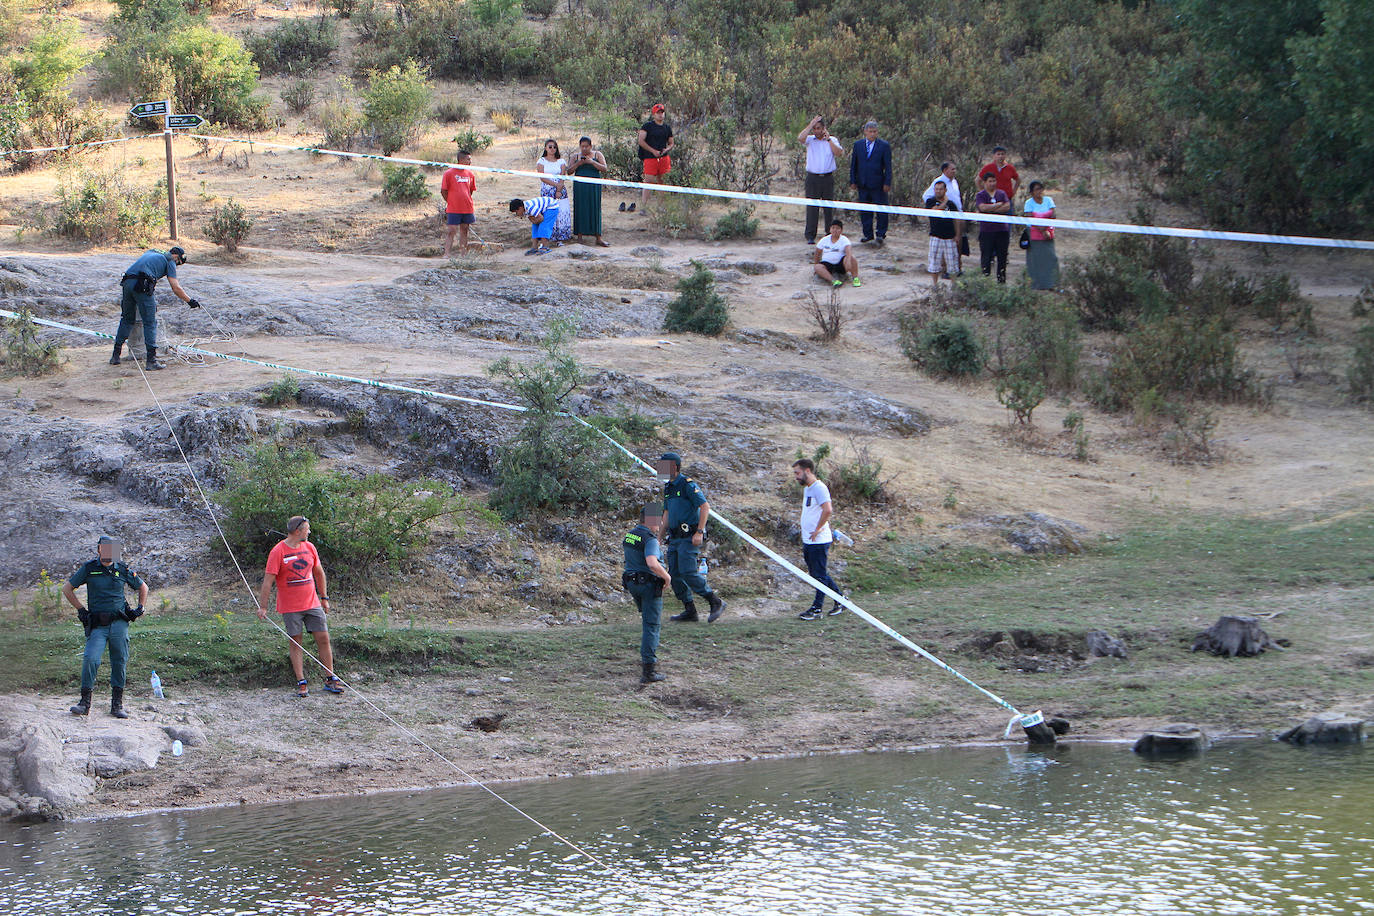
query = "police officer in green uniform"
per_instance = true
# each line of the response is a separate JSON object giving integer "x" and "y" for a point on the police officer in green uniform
{"x": 136, "y": 299}
{"x": 644, "y": 578}
{"x": 106, "y": 617}
{"x": 684, "y": 526}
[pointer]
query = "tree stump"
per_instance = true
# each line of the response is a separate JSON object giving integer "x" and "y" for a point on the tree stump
{"x": 1232, "y": 636}
{"x": 1173, "y": 740}
{"x": 1326, "y": 728}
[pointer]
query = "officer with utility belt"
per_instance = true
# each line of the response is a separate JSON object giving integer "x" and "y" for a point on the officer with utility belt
{"x": 644, "y": 578}
{"x": 684, "y": 525}
{"x": 136, "y": 299}
{"x": 106, "y": 617}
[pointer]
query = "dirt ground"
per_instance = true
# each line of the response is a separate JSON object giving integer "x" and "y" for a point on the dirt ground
{"x": 323, "y": 235}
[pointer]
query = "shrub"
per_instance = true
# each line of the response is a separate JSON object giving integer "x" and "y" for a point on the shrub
{"x": 737, "y": 224}
{"x": 698, "y": 308}
{"x": 52, "y": 57}
{"x": 553, "y": 463}
{"x": 676, "y": 215}
{"x": 36, "y": 110}
{"x": 627, "y": 427}
{"x": 1113, "y": 294}
{"x": 283, "y": 391}
{"x": 452, "y": 111}
{"x": 471, "y": 140}
{"x": 504, "y": 122}
{"x": 1044, "y": 342}
{"x": 100, "y": 206}
{"x": 828, "y": 315}
{"x": 296, "y": 46}
{"x": 395, "y": 104}
{"x": 493, "y": 12}
{"x": 860, "y": 479}
{"x": 1021, "y": 392}
{"x": 975, "y": 292}
{"x": 942, "y": 345}
{"x": 1192, "y": 358}
{"x": 403, "y": 185}
{"x": 340, "y": 123}
{"x": 228, "y": 226}
{"x": 1360, "y": 373}
{"x": 298, "y": 96}
{"x": 540, "y": 9}
{"x": 359, "y": 523}
{"x": 25, "y": 352}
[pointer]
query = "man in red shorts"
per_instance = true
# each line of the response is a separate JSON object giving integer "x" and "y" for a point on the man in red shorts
{"x": 294, "y": 565}
{"x": 655, "y": 143}
{"x": 456, "y": 188}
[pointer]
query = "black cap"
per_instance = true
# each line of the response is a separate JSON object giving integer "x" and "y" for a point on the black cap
{"x": 177, "y": 252}
{"x": 670, "y": 456}
{"x": 105, "y": 539}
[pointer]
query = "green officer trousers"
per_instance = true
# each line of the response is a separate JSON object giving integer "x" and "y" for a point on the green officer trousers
{"x": 116, "y": 637}
{"x": 682, "y": 566}
{"x": 649, "y": 598}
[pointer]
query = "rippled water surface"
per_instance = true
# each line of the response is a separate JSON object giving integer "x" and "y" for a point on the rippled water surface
{"x": 1248, "y": 828}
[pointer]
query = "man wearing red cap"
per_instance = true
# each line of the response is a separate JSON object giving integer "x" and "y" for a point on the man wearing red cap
{"x": 655, "y": 143}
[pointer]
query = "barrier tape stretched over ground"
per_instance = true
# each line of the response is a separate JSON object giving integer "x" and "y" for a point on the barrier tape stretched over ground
{"x": 54, "y": 149}
{"x": 1017, "y": 716}
{"x": 1126, "y": 228}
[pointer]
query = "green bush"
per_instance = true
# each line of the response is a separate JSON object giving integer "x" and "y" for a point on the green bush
{"x": 340, "y": 123}
{"x": 1360, "y": 373}
{"x": 540, "y": 9}
{"x": 1021, "y": 391}
{"x": 737, "y": 224}
{"x": 361, "y": 525}
{"x": 858, "y": 480}
{"x": 452, "y": 111}
{"x": 942, "y": 345}
{"x": 296, "y": 46}
{"x": 283, "y": 391}
{"x": 298, "y": 96}
{"x": 404, "y": 184}
{"x": 1175, "y": 356}
{"x": 25, "y": 351}
{"x": 101, "y": 206}
{"x": 36, "y": 110}
{"x": 975, "y": 292}
{"x": 1044, "y": 343}
{"x": 628, "y": 427}
{"x": 228, "y": 226}
{"x": 553, "y": 463}
{"x": 494, "y": 12}
{"x": 395, "y": 104}
{"x": 52, "y": 57}
{"x": 471, "y": 140}
{"x": 698, "y": 308}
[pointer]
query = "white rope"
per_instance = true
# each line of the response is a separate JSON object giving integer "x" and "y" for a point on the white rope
{"x": 53, "y": 149}
{"x": 209, "y": 508}
{"x": 762, "y": 548}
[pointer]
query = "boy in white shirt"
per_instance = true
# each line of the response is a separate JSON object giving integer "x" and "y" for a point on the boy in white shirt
{"x": 834, "y": 258}
{"x": 815, "y": 534}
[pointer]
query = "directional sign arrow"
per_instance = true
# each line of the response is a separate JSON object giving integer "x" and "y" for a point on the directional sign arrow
{"x": 149, "y": 109}
{"x": 184, "y": 120}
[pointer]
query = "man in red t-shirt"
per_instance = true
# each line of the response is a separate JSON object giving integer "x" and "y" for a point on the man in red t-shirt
{"x": 294, "y": 566}
{"x": 1008, "y": 179}
{"x": 456, "y": 188}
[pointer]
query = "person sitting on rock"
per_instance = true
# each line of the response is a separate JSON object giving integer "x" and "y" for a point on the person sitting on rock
{"x": 106, "y": 617}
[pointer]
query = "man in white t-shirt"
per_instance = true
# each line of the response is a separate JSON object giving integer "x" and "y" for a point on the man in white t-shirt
{"x": 821, "y": 150}
{"x": 815, "y": 534}
{"x": 834, "y": 258}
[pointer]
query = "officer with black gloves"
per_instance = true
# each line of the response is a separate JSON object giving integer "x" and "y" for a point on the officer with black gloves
{"x": 137, "y": 300}
{"x": 106, "y": 617}
{"x": 685, "y": 511}
{"x": 644, "y": 578}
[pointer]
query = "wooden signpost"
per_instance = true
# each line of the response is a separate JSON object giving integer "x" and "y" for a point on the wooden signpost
{"x": 171, "y": 122}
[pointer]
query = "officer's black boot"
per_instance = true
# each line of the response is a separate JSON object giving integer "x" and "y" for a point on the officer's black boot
{"x": 83, "y": 705}
{"x": 152, "y": 362}
{"x": 688, "y": 615}
{"x": 650, "y": 676}
{"x": 114, "y": 360}
{"x": 117, "y": 703}
{"x": 717, "y": 607}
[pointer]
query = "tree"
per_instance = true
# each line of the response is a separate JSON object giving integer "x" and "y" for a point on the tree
{"x": 395, "y": 103}
{"x": 51, "y": 59}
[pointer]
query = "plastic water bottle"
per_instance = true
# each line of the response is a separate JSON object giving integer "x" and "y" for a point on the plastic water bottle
{"x": 177, "y": 749}
{"x": 157, "y": 686}
{"x": 701, "y": 566}
{"x": 843, "y": 539}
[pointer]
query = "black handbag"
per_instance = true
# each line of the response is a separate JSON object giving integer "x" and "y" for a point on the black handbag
{"x": 1025, "y": 238}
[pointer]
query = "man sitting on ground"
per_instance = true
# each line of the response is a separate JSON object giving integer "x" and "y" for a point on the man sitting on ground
{"x": 834, "y": 257}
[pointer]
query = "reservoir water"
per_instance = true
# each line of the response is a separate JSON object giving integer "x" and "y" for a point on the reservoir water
{"x": 1247, "y": 828}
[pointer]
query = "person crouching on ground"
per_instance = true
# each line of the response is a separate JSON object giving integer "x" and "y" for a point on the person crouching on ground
{"x": 294, "y": 567}
{"x": 644, "y": 578}
{"x": 835, "y": 257}
{"x": 542, "y": 212}
{"x": 105, "y": 617}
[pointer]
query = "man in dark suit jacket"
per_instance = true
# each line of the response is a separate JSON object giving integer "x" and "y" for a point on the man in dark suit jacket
{"x": 870, "y": 174}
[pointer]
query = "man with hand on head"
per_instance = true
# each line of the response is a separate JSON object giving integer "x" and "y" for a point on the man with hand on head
{"x": 294, "y": 567}
{"x": 685, "y": 511}
{"x": 821, "y": 150}
{"x": 105, "y": 617}
{"x": 136, "y": 300}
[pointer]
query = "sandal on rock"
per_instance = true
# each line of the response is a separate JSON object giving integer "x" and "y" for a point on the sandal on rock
{"x": 333, "y": 685}
{"x": 601, "y": 244}
{"x": 302, "y": 688}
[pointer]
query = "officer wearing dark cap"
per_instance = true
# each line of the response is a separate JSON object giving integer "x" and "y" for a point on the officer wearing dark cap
{"x": 644, "y": 578}
{"x": 106, "y": 617}
{"x": 137, "y": 300}
{"x": 685, "y": 511}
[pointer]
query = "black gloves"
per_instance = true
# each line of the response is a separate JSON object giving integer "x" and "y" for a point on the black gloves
{"x": 193, "y": 303}
{"x": 133, "y": 614}
{"x": 84, "y": 616}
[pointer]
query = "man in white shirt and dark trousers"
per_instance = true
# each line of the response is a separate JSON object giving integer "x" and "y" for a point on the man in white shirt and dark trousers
{"x": 815, "y": 534}
{"x": 821, "y": 149}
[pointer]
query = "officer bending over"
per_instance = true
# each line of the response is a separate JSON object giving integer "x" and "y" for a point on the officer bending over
{"x": 106, "y": 617}
{"x": 644, "y": 578}
{"x": 137, "y": 300}
{"x": 685, "y": 512}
